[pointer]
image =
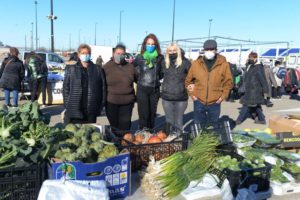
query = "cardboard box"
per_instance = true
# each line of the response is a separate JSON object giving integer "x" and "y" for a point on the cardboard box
{"x": 115, "y": 171}
{"x": 283, "y": 124}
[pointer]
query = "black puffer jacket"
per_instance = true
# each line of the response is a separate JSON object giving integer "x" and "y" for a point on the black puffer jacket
{"x": 256, "y": 85}
{"x": 173, "y": 88}
{"x": 149, "y": 77}
{"x": 12, "y": 73}
{"x": 73, "y": 90}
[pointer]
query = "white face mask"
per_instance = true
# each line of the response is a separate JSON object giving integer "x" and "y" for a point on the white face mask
{"x": 209, "y": 55}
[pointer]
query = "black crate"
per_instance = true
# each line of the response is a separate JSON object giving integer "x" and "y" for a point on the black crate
{"x": 220, "y": 129}
{"x": 22, "y": 183}
{"x": 140, "y": 153}
{"x": 246, "y": 177}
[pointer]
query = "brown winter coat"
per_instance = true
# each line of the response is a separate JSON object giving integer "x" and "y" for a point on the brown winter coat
{"x": 210, "y": 85}
{"x": 119, "y": 81}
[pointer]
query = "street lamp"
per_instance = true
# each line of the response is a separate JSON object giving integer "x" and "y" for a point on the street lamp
{"x": 120, "y": 27}
{"x": 36, "y": 26}
{"x": 79, "y": 37}
{"x": 95, "y": 33}
{"x": 52, "y": 17}
{"x": 210, "y": 20}
{"x": 173, "y": 21}
{"x": 31, "y": 37}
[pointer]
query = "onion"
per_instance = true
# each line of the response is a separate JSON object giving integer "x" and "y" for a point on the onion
{"x": 154, "y": 139}
{"x": 162, "y": 135}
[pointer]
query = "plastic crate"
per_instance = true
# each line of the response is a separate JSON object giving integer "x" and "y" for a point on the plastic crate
{"x": 22, "y": 183}
{"x": 221, "y": 130}
{"x": 246, "y": 177}
{"x": 140, "y": 154}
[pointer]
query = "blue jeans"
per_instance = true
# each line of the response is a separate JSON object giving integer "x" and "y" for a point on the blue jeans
{"x": 7, "y": 96}
{"x": 206, "y": 114}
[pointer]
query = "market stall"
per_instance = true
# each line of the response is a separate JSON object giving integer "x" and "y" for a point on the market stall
{"x": 206, "y": 163}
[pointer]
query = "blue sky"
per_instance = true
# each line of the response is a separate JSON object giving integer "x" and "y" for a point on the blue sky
{"x": 261, "y": 20}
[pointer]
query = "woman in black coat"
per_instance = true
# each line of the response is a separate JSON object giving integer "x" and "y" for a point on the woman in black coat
{"x": 149, "y": 69}
{"x": 256, "y": 86}
{"x": 174, "y": 94}
{"x": 83, "y": 89}
{"x": 12, "y": 73}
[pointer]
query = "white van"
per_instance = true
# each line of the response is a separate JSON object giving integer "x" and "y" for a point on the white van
{"x": 53, "y": 60}
{"x": 293, "y": 60}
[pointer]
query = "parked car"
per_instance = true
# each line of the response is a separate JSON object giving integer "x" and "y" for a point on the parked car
{"x": 53, "y": 60}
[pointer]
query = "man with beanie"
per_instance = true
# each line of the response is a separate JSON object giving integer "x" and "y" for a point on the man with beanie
{"x": 209, "y": 82}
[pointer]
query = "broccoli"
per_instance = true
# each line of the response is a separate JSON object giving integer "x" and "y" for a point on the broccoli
{"x": 58, "y": 154}
{"x": 72, "y": 157}
{"x": 98, "y": 147}
{"x": 88, "y": 129}
{"x": 109, "y": 151}
{"x": 74, "y": 140}
{"x": 84, "y": 152}
{"x": 96, "y": 136}
{"x": 71, "y": 128}
{"x": 80, "y": 133}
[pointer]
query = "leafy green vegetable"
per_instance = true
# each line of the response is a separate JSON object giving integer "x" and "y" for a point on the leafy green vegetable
{"x": 292, "y": 168}
{"x": 265, "y": 138}
{"x": 238, "y": 138}
{"x": 277, "y": 175}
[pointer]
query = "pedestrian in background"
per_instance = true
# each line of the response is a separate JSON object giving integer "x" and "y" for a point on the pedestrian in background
{"x": 209, "y": 81}
{"x": 37, "y": 73}
{"x": 256, "y": 87}
{"x": 271, "y": 84}
{"x": 149, "y": 68}
{"x": 12, "y": 73}
{"x": 120, "y": 76}
{"x": 99, "y": 61}
{"x": 174, "y": 94}
{"x": 279, "y": 72}
{"x": 83, "y": 89}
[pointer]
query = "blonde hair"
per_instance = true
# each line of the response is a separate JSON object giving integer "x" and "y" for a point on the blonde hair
{"x": 179, "y": 57}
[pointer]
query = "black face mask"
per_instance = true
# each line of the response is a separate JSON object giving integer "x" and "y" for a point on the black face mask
{"x": 173, "y": 56}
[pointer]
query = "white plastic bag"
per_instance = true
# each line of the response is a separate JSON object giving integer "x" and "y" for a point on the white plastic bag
{"x": 73, "y": 190}
{"x": 206, "y": 189}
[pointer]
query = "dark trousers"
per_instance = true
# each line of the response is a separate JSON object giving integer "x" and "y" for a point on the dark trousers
{"x": 147, "y": 99}
{"x": 119, "y": 116}
{"x": 251, "y": 112}
{"x": 87, "y": 119}
{"x": 206, "y": 114}
{"x": 35, "y": 84}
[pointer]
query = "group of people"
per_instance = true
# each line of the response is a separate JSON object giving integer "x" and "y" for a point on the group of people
{"x": 88, "y": 88}
{"x": 12, "y": 74}
{"x": 209, "y": 80}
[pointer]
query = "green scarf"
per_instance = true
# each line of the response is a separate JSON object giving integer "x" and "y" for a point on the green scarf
{"x": 149, "y": 57}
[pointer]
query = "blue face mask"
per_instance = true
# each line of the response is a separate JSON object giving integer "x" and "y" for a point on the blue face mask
{"x": 85, "y": 57}
{"x": 150, "y": 48}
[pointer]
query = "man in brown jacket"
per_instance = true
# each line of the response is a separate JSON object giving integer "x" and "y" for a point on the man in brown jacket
{"x": 209, "y": 81}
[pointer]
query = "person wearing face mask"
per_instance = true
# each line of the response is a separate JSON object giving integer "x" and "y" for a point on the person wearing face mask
{"x": 12, "y": 73}
{"x": 149, "y": 69}
{"x": 256, "y": 87}
{"x": 120, "y": 76}
{"x": 209, "y": 81}
{"x": 83, "y": 89}
{"x": 174, "y": 94}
